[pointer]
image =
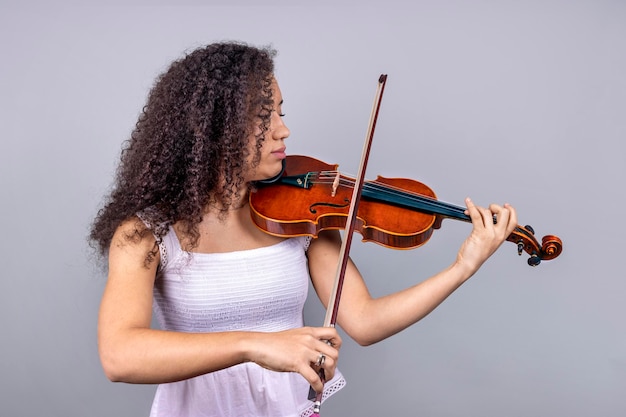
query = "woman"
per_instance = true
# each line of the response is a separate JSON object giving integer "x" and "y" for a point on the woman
{"x": 179, "y": 239}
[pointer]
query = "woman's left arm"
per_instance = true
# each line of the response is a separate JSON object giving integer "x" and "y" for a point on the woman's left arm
{"x": 369, "y": 320}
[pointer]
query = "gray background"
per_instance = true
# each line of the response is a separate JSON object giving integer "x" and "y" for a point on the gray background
{"x": 520, "y": 102}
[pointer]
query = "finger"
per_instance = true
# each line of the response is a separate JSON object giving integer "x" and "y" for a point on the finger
{"x": 329, "y": 367}
{"x": 472, "y": 210}
{"x": 501, "y": 214}
{"x": 480, "y": 216}
{"x": 313, "y": 378}
{"x": 512, "y": 216}
{"x": 327, "y": 334}
{"x": 328, "y": 364}
{"x": 506, "y": 215}
{"x": 328, "y": 343}
{"x": 328, "y": 349}
{"x": 487, "y": 217}
{"x": 320, "y": 360}
{"x": 335, "y": 342}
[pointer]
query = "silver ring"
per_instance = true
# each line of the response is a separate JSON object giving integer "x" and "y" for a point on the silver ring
{"x": 320, "y": 360}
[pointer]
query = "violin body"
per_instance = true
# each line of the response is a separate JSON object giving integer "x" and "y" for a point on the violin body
{"x": 284, "y": 210}
{"x": 398, "y": 213}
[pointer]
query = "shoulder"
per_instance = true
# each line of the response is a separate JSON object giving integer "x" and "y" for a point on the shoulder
{"x": 326, "y": 237}
{"x": 134, "y": 240}
{"x": 327, "y": 244}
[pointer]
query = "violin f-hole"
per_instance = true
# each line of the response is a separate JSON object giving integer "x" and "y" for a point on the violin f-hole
{"x": 333, "y": 205}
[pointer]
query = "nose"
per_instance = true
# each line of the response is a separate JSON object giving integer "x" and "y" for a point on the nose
{"x": 279, "y": 128}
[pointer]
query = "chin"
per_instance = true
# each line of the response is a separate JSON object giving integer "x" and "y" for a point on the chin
{"x": 270, "y": 174}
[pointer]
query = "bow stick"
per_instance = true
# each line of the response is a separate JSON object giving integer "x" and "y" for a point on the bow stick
{"x": 333, "y": 303}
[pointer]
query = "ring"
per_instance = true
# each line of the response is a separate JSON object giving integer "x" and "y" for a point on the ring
{"x": 320, "y": 360}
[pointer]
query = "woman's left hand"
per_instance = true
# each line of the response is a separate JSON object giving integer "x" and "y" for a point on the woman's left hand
{"x": 486, "y": 236}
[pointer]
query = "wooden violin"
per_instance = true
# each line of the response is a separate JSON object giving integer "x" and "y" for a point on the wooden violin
{"x": 310, "y": 196}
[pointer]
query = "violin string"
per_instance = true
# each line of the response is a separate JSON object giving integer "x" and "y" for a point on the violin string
{"x": 429, "y": 203}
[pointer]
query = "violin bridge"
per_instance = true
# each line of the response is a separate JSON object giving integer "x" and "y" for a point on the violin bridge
{"x": 335, "y": 185}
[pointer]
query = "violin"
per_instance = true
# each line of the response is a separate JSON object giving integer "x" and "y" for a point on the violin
{"x": 310, "y": 196}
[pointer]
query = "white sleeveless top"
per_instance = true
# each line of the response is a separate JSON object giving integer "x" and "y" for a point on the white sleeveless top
{"x": 261, "y": 289}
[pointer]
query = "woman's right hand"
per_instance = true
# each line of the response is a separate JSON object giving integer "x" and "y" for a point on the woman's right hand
{"x": 298, "y": 350}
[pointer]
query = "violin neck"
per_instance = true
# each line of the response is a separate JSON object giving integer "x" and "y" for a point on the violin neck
{"x": 413, "y": 201}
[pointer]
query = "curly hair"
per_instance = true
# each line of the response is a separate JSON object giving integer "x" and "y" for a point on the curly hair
{"x": 192, "y": 135}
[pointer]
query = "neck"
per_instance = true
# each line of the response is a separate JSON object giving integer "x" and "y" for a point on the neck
{"x": 237, "y": 202}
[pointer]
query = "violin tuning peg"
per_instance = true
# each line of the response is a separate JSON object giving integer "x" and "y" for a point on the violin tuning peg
{"x": 520, "y": 247}
{"x": 534, "y": 260}
{"x": 530, "y": 229}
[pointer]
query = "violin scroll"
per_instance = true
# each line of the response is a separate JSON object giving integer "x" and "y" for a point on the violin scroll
{"x": 524, "y": 236}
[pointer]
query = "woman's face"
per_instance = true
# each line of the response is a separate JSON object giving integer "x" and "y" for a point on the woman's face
{"x": 273, "y": 149}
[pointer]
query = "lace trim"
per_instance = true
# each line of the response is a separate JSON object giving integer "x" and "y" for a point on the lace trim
{"x": 307, "y": 243}
{"x": 328, "y": 391}
{"x": 144, "y": 216}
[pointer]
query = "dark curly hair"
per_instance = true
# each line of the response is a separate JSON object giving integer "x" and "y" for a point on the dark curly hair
{"x": 192, "y": 135}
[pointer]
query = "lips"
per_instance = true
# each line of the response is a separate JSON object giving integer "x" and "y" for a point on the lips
{"x": 280, "y": 152}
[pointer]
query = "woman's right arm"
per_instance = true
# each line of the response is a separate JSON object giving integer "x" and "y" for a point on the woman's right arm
{"x": 131, "y": 351}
